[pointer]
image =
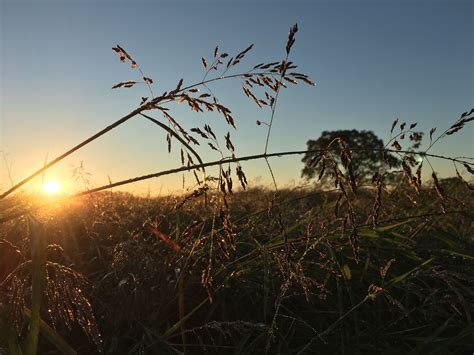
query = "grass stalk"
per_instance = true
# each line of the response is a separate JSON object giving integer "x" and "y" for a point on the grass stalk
{"x": 38, "y": 251}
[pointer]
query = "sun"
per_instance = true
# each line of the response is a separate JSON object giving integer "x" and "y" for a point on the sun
{"x": 52, "y": 187}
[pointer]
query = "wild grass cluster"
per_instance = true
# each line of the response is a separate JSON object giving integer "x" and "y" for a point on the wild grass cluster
{"x": 365, "y": 260}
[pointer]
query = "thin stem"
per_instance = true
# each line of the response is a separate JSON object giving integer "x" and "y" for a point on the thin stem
{"x": 222, "y": 78}
{"x": 279, "y": 84}
{"x": 431, "y": 166}
{"x": 271, "y": 173}
{"x": 398, "y": 135}
{"x": 38, "y": 244}
{"x": 174, "y": 134}
{"x": 8, "y": 168}
{"x": 442, "y": 135}
{"x": 274, "y": 103}
{"x": 333, "y": 325}
{"x": 146, "y": 82}
{"x": 210, "y": 68}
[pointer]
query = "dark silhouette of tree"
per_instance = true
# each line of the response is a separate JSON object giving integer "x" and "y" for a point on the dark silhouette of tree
{"x": 367, "y": 154}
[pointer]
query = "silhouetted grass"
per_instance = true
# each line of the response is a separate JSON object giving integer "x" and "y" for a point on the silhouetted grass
{"x": 410, "y": 291}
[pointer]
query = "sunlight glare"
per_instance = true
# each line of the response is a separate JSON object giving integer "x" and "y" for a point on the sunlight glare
{"x": 52, "y": 187}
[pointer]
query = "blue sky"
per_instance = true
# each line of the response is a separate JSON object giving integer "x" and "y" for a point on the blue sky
{"x": 372, "y": 60}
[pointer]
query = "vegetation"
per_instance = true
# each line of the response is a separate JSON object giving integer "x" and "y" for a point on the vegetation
{"x": 367, "y": 150}
{"x": 380, "y": 266}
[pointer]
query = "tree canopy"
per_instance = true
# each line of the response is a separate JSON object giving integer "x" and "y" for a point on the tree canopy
{"x": 366, "y": 148}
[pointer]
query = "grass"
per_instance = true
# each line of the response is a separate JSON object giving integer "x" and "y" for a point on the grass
{"x": 296, "y": 290}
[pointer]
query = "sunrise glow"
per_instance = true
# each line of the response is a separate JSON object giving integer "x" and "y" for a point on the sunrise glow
{"x": 52, "y": 187}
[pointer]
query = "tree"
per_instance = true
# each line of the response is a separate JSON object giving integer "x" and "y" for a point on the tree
{"x": 366, "y": 148}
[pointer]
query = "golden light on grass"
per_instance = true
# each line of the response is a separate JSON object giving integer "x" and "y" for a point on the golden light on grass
{"x": 52, "y": 187}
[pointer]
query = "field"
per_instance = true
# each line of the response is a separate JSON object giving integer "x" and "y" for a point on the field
{"x": 277, "y": 275}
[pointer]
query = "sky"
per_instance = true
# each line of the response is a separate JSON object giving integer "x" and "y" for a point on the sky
{"x": 373, "y": 61}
